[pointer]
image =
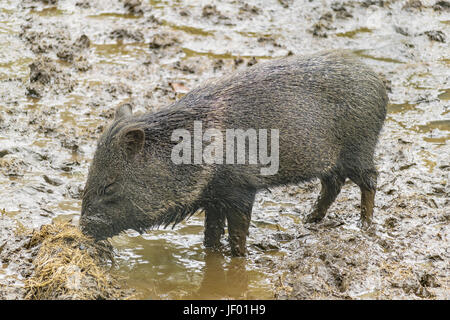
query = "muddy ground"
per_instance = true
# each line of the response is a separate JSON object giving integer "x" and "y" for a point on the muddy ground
{"x": 66, "y": 64}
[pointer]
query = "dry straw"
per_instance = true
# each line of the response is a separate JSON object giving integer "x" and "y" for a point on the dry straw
{"x": 70, "y": 265}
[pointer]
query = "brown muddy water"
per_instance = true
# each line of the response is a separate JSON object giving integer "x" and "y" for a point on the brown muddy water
{"x": 65, "y": 66}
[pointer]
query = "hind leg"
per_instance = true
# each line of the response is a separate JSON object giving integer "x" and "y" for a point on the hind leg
{"x": 367, "y": 204}
{"x": 367, "y": 182}
{"x": 331, "y": 186}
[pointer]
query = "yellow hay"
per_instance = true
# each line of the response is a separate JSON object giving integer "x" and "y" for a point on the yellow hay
{"x": 69, "y": 265}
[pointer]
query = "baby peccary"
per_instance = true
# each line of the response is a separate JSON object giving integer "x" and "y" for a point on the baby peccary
{"x": 324, "y": 114}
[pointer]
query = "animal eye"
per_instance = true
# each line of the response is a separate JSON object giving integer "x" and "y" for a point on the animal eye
{"x": 109, "y": 189}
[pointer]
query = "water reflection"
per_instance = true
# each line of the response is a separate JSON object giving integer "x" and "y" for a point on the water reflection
{"x": 172, "y": 264}
{"x": 222, "y": 278}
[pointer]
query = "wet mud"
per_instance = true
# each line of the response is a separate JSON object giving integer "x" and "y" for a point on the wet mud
{"x": 66, "y": 64}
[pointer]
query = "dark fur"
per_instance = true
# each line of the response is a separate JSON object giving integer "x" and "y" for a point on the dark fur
{"x": 329, "y": 110}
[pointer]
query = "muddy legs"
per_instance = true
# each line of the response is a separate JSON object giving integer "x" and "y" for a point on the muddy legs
{"x": 331, "y": 186}
{"x": 367, "y": 203}
{"x": 214, "y": 228}
{"x": 238, "y": 219}
{"x": 238, "y": 224}
{"x": 367, "y": 182}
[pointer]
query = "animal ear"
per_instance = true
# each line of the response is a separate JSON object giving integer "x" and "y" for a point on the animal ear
{"x": 124, "y": 110}
{"x": 132, "y": 139}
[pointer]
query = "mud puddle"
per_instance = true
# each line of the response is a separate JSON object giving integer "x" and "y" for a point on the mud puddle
{"x": 64, "y": 67}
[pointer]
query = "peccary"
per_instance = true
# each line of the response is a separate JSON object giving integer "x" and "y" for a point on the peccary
{"x": 329, "y": 110}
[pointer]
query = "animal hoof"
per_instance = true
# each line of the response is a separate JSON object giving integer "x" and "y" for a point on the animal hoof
{"x": 365, "y": 224}
{"x": 313, "y": 218}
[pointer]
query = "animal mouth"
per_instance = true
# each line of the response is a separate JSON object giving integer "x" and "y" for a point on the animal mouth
{"x": 101, "y": 229}
{"x": 96, "y": 228}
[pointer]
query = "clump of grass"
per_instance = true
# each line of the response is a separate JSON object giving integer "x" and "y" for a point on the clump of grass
{"x": 70, "y": 265}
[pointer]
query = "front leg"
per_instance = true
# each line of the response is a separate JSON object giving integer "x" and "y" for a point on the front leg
{"x": 238, "y": 218}
{"x": 238, "y": 224}
{"x": 238, "y": 221}
{"x": 214, "y": 228}
{"x": 223, "y": 199}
